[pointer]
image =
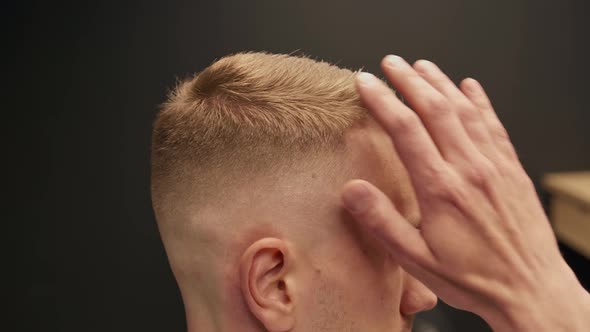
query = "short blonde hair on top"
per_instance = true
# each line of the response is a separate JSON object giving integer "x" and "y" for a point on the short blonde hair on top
{"x": 249, "y": 111}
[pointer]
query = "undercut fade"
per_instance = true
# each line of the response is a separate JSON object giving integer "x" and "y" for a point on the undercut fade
{"x": 247, "y": 112}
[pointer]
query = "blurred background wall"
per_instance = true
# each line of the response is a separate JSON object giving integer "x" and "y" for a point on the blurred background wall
{"x": 88, "y": 78}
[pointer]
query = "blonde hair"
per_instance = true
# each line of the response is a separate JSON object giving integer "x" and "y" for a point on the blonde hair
{"x": 247, "y": 112}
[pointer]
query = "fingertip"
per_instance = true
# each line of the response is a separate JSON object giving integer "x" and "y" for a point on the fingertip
{"x": 470, "y": 85}
{"x": 364, "y": 79}
{"x": 392, "y": 61}
{"x": 365, "y": 203}
{"x": 423, "y": 65}
{"x": 356, "y": 196}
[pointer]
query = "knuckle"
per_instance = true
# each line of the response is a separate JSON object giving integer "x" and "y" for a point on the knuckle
{"x": 450, "y": 191}
{"x": 519, "y": 176}
{"x": 406, "y": 121}
{"x": 437, "y": 173}
{"x": 481, "y": 174}
{"x": 440, "y": 182}
{"x": 373, "y": 218}
{"x": 467, "y": 113}
{"x": 457, "y": 193}
{"x": 525, "y": 181}
{"x": 413, "y": 75}
{"x": 437, "y": 105}
{"x": 509, "y": 151}
{"x": 515, "y": 176}
{"x": 499, "y": 132}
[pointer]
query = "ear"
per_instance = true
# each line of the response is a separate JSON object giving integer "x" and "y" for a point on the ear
{"x": 267, "y": 283}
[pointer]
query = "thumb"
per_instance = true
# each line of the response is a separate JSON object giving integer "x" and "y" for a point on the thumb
{"x": 374, "y": 211}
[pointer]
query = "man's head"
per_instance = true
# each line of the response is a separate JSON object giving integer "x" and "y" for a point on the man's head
{"x": 248, "y": 160}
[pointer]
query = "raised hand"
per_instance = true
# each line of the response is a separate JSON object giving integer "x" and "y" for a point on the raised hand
{"x": 484, "y": 243}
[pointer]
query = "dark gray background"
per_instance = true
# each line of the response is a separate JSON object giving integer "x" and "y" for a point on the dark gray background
{"x": 89, "y": 77}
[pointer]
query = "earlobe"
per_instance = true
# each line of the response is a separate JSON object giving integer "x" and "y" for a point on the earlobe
{"x": 266, "y": 283}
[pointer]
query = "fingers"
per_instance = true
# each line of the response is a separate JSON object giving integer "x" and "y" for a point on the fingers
{"x": 373, "y": 210}
{"x": 412, "y": 142}
{"x": 475, "y": 92}
{"x": 469, "y": 114}
{"x": 434, "y": 109}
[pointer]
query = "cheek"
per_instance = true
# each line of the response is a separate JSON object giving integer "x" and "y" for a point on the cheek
{"x": 362, "y": 284}
{"x": 354, "y": 279}
{"x": 358, "y": 301}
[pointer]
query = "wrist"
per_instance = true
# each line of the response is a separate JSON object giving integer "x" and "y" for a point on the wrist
{"x": 558, "y": 304}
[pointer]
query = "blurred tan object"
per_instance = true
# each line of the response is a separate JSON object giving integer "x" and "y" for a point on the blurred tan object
{"x": 570, "y": 208}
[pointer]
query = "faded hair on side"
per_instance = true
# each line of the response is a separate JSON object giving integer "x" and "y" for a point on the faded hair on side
{"x": 247, "y": 112}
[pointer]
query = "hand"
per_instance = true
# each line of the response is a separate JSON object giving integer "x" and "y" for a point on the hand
{"x": 484, "y": 243}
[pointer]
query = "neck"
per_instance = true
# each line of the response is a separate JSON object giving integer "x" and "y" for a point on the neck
{"x": 200, "y": 318}
{"x": 203, "y": 317}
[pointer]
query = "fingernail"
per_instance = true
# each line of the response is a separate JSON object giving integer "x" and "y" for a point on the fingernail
{"x": 393, "y": 60}
{"x": 357, "y": 198}
{"x": 472, "y": 85}
{"x": 424, "y": 65}
{"x": 366, "y": 79}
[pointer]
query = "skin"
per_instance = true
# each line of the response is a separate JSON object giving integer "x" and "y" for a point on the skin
{"x": 295, "y": 260}
{"x": 484, "y": 243}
